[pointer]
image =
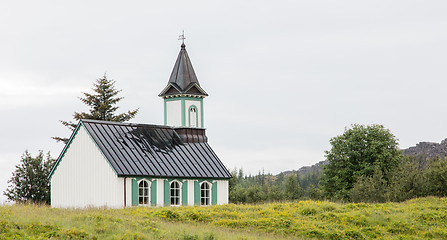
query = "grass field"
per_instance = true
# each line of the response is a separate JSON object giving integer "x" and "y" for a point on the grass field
{"x": 424, "y": 218}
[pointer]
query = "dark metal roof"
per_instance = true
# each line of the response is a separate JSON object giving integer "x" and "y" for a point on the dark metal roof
{"x": 157, "y": 151}
{"x": 183, "y": 79}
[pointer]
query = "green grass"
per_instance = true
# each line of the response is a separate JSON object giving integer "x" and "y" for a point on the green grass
{"x": 424, "y": 218}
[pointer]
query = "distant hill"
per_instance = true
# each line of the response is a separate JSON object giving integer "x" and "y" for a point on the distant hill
{"x": 428, "y": 149}
{"x": 317, "y": 167}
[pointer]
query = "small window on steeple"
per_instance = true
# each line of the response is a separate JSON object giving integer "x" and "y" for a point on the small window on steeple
{"x": 193, "y": 116}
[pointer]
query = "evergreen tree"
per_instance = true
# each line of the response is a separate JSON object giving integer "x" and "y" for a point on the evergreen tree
{"x": 102, "y": 105}
{"x": 233, "y": 180}
{"x": 29, "y": 181}
{"x": 408, "y": 180}
{"x": 436, "y": 178}
{"x": 240, "y": 174}
{"x": 292, "y": 187}
{"x": 370, "y": 188}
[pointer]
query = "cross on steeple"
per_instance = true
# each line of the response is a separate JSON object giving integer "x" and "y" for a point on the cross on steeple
{"x": 182, "y": 37}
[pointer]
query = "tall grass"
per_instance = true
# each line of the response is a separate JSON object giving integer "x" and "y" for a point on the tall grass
{"x": 424, "y": 218}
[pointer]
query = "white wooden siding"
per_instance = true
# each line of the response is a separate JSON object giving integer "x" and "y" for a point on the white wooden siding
{"x": 190, "y": 192}
{"x": 174, "y": 113}
{"x": 160, "y": 192}
{"x": 128, "y": 192}
{"x": 84, "y": 178}
{"x": 222, "y": 192}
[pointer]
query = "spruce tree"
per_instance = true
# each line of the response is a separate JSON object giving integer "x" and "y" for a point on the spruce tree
{"x": 102, "y": 105}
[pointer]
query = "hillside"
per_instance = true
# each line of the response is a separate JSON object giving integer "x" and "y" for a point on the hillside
{"x": 428, "y": 149}
{"x": 422, "y": 218}
{"x": 316, "y": 168}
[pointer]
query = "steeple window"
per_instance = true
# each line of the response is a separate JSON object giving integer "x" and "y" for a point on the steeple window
{"x": 193, "y": 116}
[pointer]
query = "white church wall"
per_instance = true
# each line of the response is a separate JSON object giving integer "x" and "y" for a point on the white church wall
{"x": 128, "y": 192}
{"x": 160, "y": 192}
{"x": 173, "y": 113}
{"x": 222, "y": 192}
{"x": 84, "y": 178}
{"x": 190, "y": 184}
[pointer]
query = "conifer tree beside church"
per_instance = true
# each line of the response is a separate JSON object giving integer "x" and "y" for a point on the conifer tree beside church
{"x": 102, "y": 105}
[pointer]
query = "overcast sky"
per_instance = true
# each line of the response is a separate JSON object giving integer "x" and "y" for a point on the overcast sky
{"x": 283, "y": 77}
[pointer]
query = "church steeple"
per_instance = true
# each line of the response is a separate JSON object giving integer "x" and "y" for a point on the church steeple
{"x": 183, "y": 96}
{"x": 183, "y": 80}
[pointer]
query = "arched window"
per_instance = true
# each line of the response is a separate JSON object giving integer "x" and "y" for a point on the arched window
{"x": 205, "y": 196}
{"x": 143, "y": 193}
{"x": 193, "y": 116}
{"x": 175, "y": 193}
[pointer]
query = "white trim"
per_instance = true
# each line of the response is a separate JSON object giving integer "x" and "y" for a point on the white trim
{"x": 129, "y": 191}
{"x": 222, "y": 192}
{"x": 210, "y": 193}
{"x": 190, "y": 190}
{"x": 198, "y": 88}
{"x": 160, "y": 192}
{"x": 167, "y": 88}
{"x": 210, "y": 183}
{"x": 148, "y": 190}
{"x": 180, "y": 191}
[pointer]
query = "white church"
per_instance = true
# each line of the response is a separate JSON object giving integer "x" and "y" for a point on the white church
{"x": 110, "y": 164}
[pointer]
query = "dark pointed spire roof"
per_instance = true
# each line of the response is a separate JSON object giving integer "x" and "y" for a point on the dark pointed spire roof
{"x": 183, "y": 80}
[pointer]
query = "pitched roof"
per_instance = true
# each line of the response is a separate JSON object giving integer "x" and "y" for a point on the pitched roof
{"x": 155, "y": 151}
{"x": 183, "y": 79}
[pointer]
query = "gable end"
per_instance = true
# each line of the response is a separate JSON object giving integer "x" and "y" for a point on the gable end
{"x": 67, "y": 146}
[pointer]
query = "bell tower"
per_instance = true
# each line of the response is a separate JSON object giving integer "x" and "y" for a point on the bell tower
{"x": 183, "y": 96}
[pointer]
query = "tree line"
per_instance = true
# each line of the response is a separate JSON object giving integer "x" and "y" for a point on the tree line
{"x": 264, "y": 187}
{"x": 364, "y": 164}
{"x": 414, "y": 177}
